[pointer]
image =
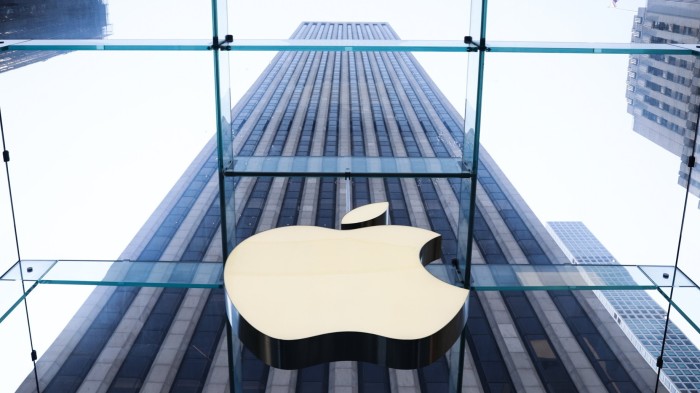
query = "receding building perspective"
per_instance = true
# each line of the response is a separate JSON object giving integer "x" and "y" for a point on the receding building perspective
{"x": 640, "y": 317}
{"x": 56, "y": 19}
{"x": 355, "y": 104}
{"x": 663, "y": 90}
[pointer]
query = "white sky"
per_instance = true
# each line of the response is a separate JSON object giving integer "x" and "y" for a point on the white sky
{"x": 98, "y": 138}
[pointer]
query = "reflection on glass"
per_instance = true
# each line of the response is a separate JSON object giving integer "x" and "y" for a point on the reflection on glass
{"x": 681, "y": 353}
{"x": 551, "y": 277}
{"x": 348, "y": 166}
{"x": 137, "y": 273}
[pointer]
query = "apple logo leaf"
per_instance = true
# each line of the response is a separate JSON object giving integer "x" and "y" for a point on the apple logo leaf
{"x": 303, "y": 295}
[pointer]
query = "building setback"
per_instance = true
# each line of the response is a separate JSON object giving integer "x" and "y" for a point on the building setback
{"x": 362, "y": 104}
{"x": 663, "y": 91}
{"x": 641, "y": 318}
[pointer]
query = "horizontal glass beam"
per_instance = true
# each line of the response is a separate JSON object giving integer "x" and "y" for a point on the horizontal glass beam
{"x": 349, "y": 167}
{"x": 587, "y": 47}
{"x": 352, "y": 46}
{"x": 195, "y": 274}
{"x": 573, "y": 277}
{"x": 348, "y": 45}
{"x": 198, "y": 274}
{"x": 119, "y": 45}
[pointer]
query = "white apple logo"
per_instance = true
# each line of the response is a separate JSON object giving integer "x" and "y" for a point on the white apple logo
{"x": 303, "y": 295}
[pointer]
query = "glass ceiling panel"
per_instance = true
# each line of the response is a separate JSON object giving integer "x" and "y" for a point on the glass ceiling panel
{"x": 147, "y": 19}
{"x": 587, "y": 21}
{"x": 439, "y": 20}
{"x": 587, "y": 47}
{"x": 123, "y": 44}
{"x": 252, "y": 45}
{"x": 100, "y": 19}
{"x": 96, "y": 140}
{"x": 15, "y": 362}
{"x": 349, "y": 45}
{"x": 571, "y": 148}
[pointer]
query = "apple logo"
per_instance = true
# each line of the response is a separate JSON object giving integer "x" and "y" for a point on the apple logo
{"x": 303, "y": 295}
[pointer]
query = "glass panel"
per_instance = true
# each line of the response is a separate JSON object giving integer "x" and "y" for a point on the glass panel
{"x": 15, "y": 362}
{"x": 681, "y": 345}
{"x": 98, "y": 19}
{"x": 477, "y": 20}
{"x": 580, "y": 148}
{"x": 349, "y": 45}
{"x": 585, "y": 47}
{"x": 349, "y": 166}
{"x": 685, "y": 302}
{"x": 55, "y": 322}
{"x": 28, "y": 270}
{"x": 198, "y": 274}
{"x": 120, "y": 44}
{"x": 220, "y": 18}
{"x": 144, "y": 19}
{"x": 573, "y": 155}
{"x": 663, "y": 276}
{"x": 11, "y": 294}
{"x": 114, "y": 134}
{"x": 682, "y": 352}
{"x": 224, "y": 137}
{"x": 591, "y": 22}
{"x": 552, "y": 277}
{"x": 251, "y": 19}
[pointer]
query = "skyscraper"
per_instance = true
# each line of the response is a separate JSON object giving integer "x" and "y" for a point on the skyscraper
{"x": 662, "y": 90}
{"x": 34, "y": 19}
{"x": 641, "y": 318}
{"x": 352, "y": 104}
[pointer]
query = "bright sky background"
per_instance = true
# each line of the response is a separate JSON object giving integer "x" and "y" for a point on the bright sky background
{"x": 98, "y": 138}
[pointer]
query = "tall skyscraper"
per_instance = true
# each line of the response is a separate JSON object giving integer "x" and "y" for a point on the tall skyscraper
{"x": 640, "y": 317}
{"x": 663, "y": 90}
{"x": 345, "y": 103}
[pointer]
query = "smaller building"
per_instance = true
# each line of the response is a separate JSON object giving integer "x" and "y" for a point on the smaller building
{"x": 663, "y": 91}
{"x": 640, "y": 317}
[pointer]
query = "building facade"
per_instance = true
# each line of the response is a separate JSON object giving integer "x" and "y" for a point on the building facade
{"x": 359, "y": 104}
{"x": 59, "y": 19}
{"x": 639, "y": 316}
{"x": 662, "y": 90}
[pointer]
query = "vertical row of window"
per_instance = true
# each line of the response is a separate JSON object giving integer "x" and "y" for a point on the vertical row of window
{"x": 83, "y": 356}
{"x": 643, "y": 316}
{"x": 602, "y": 358}
{"x": 675, "y": 28}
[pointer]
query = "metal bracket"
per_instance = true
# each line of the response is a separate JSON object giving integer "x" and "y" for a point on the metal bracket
{"x": 474, "y": 47}
{"x": 221, "y": 45}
